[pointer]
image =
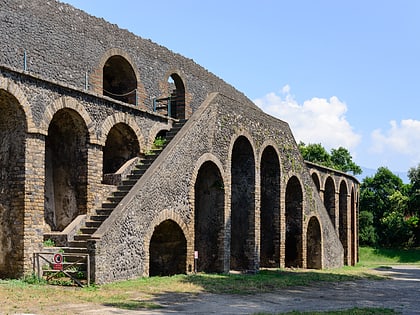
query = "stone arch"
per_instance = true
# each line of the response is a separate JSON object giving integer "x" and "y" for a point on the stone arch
{"x": 121, "y": 69}
{"x": 353, "y": 227}
{"x": 314, "y": 244}
{"x": 343, "y": 218}
{"x": 158, "y": 129}
{"x": 66, "y": 156}
{"x": 68, "y": 103}
{"x": 179, "y": 261}
{"x": 13, "y": 128}
{"x": 209, "y": 212}
{"x": 329, "y": 198}
{"x": 294, "y": 218}
{"x": 121, "y": 146}
{"x": 242, "y": 214}
{"x": 120, "y": 118}
{"x": 270, "y": 208}
{"x": 315, "y": 179}
{"x": 14, "y": 90}
{"x": 167, "y": 250}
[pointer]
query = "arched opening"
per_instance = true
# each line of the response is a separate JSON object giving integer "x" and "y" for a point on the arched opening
{"x": 119, "y": 80}
{"x": 315, "y": 179}
{"x": 353, "y": 228}
{"x": 12, "y": 185}
{"x": 177, "y": 93}
{"x": 209, "y": 218}
{"x": 168, "y": 250}
{"x": 121, "y": 145}
{"x": 313, "y": 245}
{"x": 329, "y": 199}
{"x": 65, "y": 169}
{"x": 270, "y": 209}
{"x": 294, "y": 211}
{"x": 242, "y": 206}
{"x": 343, "y": 226}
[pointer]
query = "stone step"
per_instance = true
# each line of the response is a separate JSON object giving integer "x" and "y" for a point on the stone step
{"x": 78, "y": 244}
{"x": 75, "y": 250}
{"x": 82, "y": 237}
{"x": 109, "y": 205}
{"x": 88, "y": 230}
{"x": 99, "y": 217}
{"x": 91, "y": 223}
{"x": 103, "y": 212}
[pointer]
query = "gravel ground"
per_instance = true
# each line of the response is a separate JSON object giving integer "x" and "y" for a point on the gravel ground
{"x": 400, "y": 292}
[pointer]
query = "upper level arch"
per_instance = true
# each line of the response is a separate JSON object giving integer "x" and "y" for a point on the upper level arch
{"x": 315, "y": 179}
{"x": 172, "y": 100}
{"x": 117, "y": 76}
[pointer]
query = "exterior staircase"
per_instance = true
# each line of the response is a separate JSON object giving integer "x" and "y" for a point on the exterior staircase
{"x": 76, "y": 251}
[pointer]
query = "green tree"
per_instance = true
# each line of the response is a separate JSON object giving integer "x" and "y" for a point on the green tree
{"x": 367, "y": 232}
{"x": 315, "y": 153}
{"x": 395, "y": 228}
{"x": 339, "y": 159}
{"x": 386, "y": 197}
{"x": 342, "y": 160}
{"x": 414, "y": 203}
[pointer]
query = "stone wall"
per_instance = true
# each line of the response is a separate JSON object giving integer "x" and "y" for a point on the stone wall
{"x": 166, "y": 191}
{"x": 55, "y": 119}
{"x": 67, "y": 45}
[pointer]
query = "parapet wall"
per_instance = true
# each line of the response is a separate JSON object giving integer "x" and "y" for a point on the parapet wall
{"x": 67, "y": 45}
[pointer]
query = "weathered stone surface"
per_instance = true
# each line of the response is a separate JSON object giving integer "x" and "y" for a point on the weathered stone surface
{"x": 232, "y": 180}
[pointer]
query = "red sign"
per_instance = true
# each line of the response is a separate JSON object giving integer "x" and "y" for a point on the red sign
{"x": 58, "y": 266}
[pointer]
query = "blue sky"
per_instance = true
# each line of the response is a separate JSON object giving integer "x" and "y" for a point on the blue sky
{"x": 341, "y": 73}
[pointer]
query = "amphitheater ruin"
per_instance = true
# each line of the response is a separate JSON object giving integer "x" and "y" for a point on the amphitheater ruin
{"x": 140, "y": 161}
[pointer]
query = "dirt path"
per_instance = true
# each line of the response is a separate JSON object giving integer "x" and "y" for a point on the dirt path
{"x": 401, "y": 293}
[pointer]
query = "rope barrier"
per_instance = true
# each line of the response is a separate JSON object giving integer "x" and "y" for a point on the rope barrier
{"x": 125, "y": 94}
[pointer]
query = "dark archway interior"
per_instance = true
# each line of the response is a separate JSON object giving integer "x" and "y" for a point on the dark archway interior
{"x": 316, "y": 181}
{"x": 343, "y": 219}
{"x": 119, "y": 80}
{"x": 12, "y": 173}
{"x": 294, "y": 209}
{"x": 242, "y": 205}
{"x": 313, "y": 248}
{"x": 121, "y": 145}
{"x": 353, "y": 228}
{"x": 65, "y": 169}
{"x": 329, "y": 199}
{"x": 168, "y": 250}
{"x": 177, "y": 92}
{"x": 209, "y": 218}
{"x": 270, "y": 209}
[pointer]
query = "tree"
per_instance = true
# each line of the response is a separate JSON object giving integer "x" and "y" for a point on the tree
{"x": 387, "y": 199}
{"x": 339, "y": 159}
{"x": 342, "y": 160}
{"x": 376, "y": 190}
{"x": 315, "y": 153}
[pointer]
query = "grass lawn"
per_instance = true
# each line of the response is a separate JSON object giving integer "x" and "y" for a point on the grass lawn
{"x": 28, "y": 296}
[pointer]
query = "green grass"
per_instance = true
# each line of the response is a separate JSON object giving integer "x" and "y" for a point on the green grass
{"x": 35, "y": 296}
{"x": 375, "y": 257}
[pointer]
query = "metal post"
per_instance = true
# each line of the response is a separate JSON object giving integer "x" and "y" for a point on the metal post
{"x": 38, "y": 266}
{"x": 24, "y": 61}
{"x": 86, "y": 81}
{"x": 169, "y": 106}
{"x": 88, "y": 269}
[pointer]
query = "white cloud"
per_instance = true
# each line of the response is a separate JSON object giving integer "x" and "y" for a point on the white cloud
{"x": 317, "y": 120}
{"x": 401, "y": 139}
